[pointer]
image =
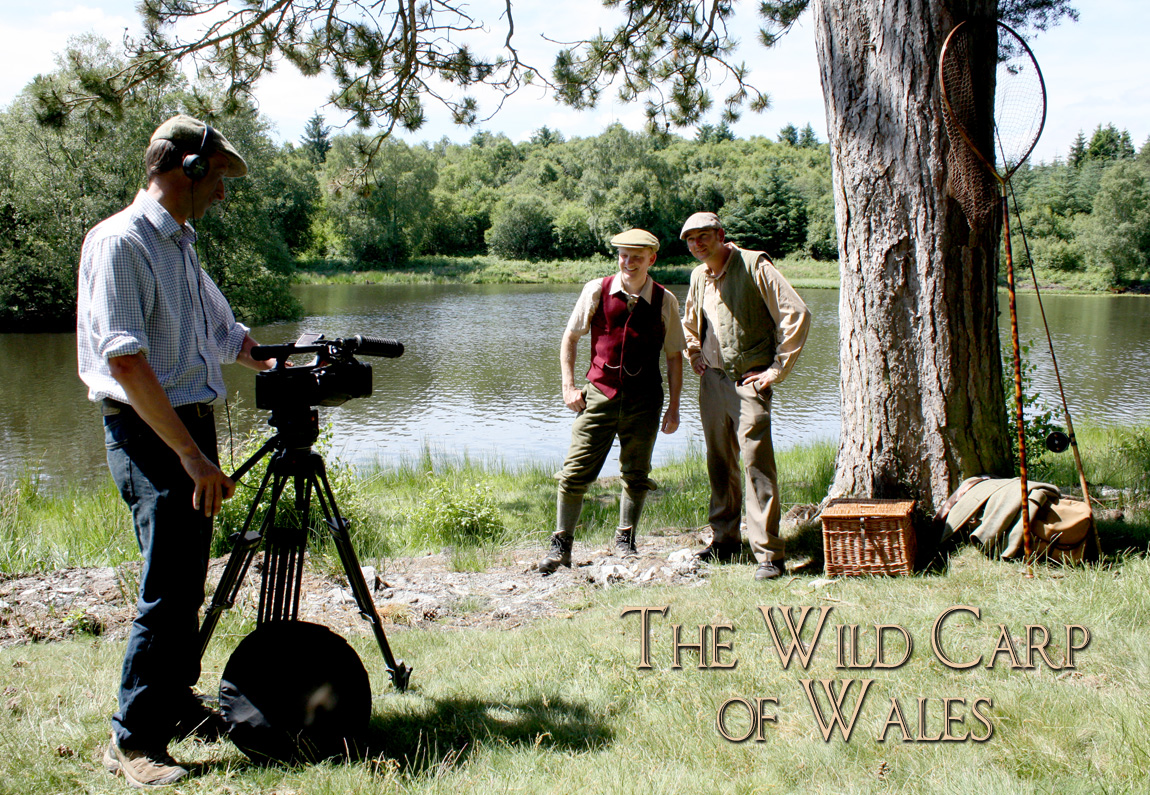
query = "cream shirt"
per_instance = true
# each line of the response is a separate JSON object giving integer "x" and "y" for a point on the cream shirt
{"x": 791, "y": 315}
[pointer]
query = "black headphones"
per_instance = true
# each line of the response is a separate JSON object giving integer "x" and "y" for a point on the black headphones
{"x": 195, "y": 165}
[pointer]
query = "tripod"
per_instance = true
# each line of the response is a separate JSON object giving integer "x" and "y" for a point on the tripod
{"x": 292, "y": 458}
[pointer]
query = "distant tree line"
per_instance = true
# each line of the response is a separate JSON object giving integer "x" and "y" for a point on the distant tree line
{"x": 555, "y": 198}
{"x": 371, "y": 205}
{"x": 1088, "y": 218}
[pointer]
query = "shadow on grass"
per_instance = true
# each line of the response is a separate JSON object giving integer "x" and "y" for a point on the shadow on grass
{"x": 1123, "y": 539}
{"x": 445, "y": 734}
{"x": 448, "y": 732}
{"x": 805, "y": 542}
{"x": 1119, "y": 541}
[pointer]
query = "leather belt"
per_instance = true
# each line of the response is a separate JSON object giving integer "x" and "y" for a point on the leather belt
{"x": 109, "y": 407}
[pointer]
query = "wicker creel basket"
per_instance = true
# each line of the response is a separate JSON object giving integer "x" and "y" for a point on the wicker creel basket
{"x": 868, "y": 537}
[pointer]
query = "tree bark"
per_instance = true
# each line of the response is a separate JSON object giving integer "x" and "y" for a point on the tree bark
{"x": 920, "y": 365}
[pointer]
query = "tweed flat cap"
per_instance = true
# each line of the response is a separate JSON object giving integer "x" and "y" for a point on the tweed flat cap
{"x": 698, "y": 222}
{"x": 188, "y": 133}
{"x": 635, "y": 238}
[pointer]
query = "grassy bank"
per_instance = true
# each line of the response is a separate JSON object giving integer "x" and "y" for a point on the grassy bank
{"x": 802, "y": 272}
{"x": 420, "y": 505}
{"x": 479, "y": 508}
{"x": 562, "y": 705}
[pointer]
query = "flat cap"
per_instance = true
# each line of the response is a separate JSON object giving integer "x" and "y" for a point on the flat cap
{"x": 698, "y": 222}
{"x": 635, "y": 238}
{"x": 188, "y": 133}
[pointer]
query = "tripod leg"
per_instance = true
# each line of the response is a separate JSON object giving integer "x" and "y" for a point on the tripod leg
{"x": 340, "y": 530}
{"x": 270, "y": 585}
{"x": 244, "y": 545}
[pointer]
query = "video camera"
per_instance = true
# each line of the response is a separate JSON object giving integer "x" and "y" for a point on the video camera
{"x": 331, "y": 379}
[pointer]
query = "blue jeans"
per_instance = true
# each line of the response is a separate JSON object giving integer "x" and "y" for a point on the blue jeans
{"x": 162, "y": 661}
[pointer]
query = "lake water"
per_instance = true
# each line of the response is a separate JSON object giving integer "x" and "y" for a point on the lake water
{"x": 480, "y": 377}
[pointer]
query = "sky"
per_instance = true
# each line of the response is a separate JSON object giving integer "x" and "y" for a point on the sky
{"x": 1095, "y": 71}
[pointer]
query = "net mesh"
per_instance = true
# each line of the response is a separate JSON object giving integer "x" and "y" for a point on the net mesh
{"x": 995, "y": 106}
{"x": 1019, "y": 102}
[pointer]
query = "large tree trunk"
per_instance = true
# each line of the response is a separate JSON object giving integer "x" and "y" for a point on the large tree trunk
{"x": 920, "y": 368}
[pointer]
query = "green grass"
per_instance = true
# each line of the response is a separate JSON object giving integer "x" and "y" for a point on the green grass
{"x": 1118, "y": 458}
{"x": 805, "y": 273}
{"x": 561, "y": 705}
{"x": 801, "y": 271}
{"x": 459, "y": 270}
{"x": 42, "y": 530}
{"x": 429, "y": 504}
{"x": 476, "y": 508}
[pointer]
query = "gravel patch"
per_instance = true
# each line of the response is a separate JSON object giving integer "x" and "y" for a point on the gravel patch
{"x": 420, "y": 591}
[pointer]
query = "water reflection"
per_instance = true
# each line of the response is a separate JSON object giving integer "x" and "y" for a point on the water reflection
{"x": 481, "y": 377}
{"x": 481, "y": 373}
{"x": 1103, "y": 349}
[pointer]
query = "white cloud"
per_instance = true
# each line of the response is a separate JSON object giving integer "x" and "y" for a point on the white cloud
{"x": 289, "y": 99}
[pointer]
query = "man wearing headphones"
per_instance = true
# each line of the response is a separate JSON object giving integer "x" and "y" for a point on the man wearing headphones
{"x": 152, "y": 332}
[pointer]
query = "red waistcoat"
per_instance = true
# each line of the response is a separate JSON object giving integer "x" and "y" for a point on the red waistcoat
{"x": 625, "y": 344}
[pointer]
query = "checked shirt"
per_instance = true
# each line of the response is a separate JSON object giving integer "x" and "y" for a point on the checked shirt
{"x": 141, "y": 289}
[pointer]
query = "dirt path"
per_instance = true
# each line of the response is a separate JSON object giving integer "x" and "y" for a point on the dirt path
{"x": 420, "y": 591}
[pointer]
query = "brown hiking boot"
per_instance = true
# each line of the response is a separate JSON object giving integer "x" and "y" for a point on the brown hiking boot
{"x": 142, "y": 769}
{"x": 770, "y": 570}
{"x": 720, "y": 552}
{"x": 560, "y": 554}
{"x": 625, "y": 542}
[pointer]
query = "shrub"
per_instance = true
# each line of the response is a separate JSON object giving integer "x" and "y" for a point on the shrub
{"x": 1135, "y": 450}
{"x": 459, "y": 515}
{"x": 1039, "y": 419}
{"x": 572, "y": 233}
{"x": 1058, "y": 255}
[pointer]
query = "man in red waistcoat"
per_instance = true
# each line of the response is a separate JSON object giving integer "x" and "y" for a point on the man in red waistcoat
{"x": 632, "y": 320}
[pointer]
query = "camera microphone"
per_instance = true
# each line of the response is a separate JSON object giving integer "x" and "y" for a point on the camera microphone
{"x": 373, "y": 346}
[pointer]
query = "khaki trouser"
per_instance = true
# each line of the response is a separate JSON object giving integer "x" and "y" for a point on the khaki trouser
{"x": 634, "y": 417}
{"x": 737, "y": 422}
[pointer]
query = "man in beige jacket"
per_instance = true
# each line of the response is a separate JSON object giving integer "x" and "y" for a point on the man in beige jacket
{"x": 745, "y": 326}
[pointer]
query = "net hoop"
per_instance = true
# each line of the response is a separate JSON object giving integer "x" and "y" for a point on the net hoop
{"x": 1015, "y": 41}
